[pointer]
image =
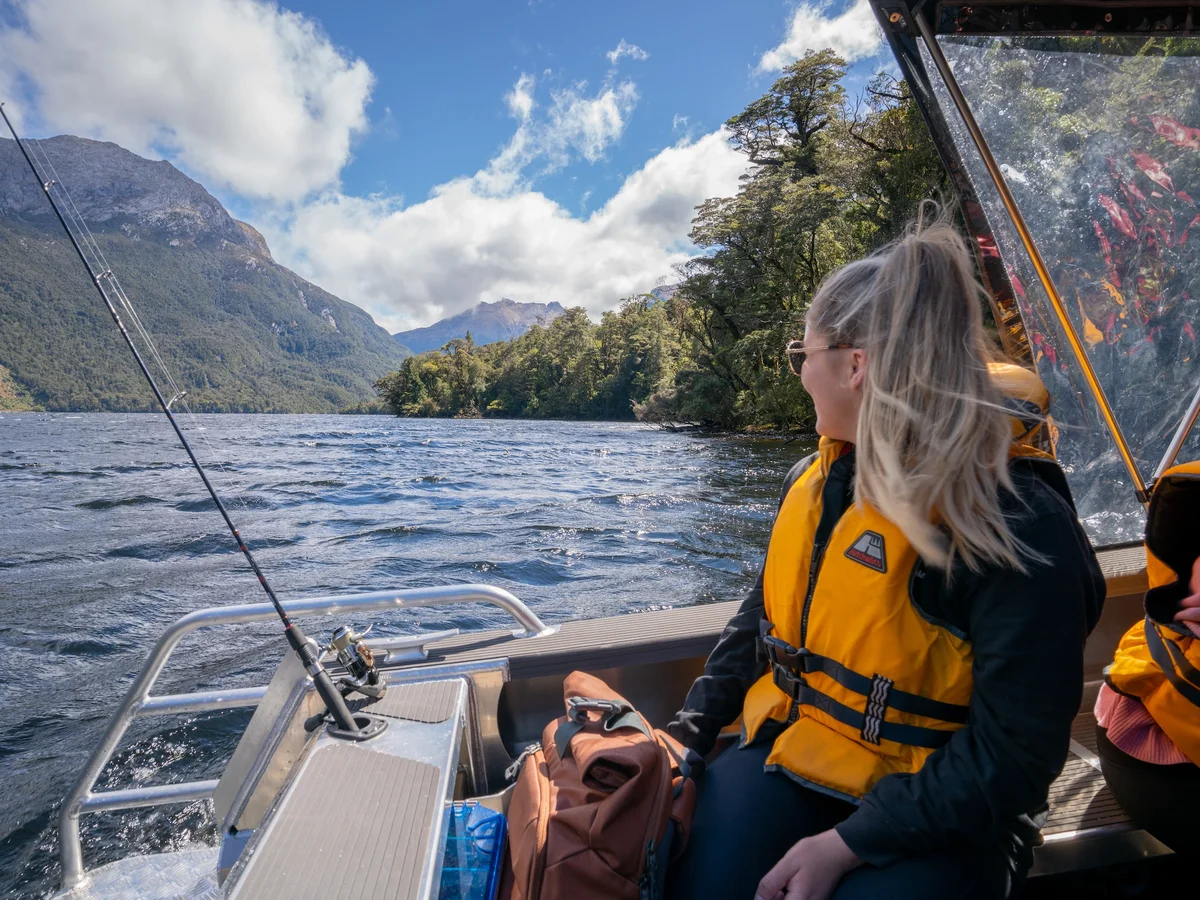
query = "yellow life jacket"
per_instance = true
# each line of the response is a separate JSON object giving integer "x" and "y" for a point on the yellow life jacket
{"x": 868, "y": 685}
{"x": 1158, "y": 660}
{"x": 1027, "y": 401}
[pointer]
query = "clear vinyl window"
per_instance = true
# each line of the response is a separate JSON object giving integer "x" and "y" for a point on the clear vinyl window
{"x": 1099, "y": 141}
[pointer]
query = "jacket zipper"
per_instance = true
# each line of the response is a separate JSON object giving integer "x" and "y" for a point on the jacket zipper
{"x": 821, "y": 541}
{"x": 814, "y": 567}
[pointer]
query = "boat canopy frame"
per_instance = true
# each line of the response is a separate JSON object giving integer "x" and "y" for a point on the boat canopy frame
{"x": 907, "y": 28}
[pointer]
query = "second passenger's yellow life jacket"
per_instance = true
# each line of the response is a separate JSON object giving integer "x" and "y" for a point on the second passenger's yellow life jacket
{"x": 1158, "y": 660}
{"x": 867, "y": 685}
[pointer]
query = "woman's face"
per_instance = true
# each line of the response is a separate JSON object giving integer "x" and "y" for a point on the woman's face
{"x": 834, "y": 380}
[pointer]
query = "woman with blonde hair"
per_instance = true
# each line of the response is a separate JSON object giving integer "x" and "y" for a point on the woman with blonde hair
{"x": 909, "y": 662}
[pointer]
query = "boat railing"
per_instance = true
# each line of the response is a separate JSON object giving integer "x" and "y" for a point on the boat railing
{"x": 138, "y": 702}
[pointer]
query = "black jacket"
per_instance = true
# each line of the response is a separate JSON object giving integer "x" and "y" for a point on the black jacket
{"x": 987, "y": 786}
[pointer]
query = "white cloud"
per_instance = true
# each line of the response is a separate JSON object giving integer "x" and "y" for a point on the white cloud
{"x": 411, "y": 265}
{"x": 589, "y": 125}
{"x": 679, "y": 123}
{"x": 573, "y": 124}
{"x": 624, "y": 48}
{"x": 520, "y": 98}
{"x": 245, "y": 95}
{"x": 853, "y": 34}
{"x": 256, "y": 99}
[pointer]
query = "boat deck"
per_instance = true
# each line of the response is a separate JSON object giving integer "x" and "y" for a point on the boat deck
{"x": 1086, "y": 826}
{"x": 1079, "y": 798}
{"x": 651, "y": 658}
{"x": 364, "y": 820}
{"x": 387, "y": 844}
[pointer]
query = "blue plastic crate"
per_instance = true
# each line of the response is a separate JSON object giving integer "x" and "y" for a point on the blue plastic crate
{"x": 474, "y": 852}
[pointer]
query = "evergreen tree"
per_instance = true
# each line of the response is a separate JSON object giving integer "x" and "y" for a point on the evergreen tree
{"x": 829, "y": 182}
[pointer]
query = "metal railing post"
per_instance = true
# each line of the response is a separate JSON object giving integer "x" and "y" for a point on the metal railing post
{"x": 70, "y": 850}
{"x": 138, "y": 702}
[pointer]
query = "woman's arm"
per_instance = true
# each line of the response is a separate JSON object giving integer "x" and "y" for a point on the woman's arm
{"x": 1028, "y": 634}
{"x": 716, "y": 697}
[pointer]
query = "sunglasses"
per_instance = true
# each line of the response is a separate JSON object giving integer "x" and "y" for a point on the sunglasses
{"x": 796, "y": 353}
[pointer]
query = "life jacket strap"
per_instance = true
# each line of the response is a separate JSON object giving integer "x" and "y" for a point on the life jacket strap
{"x": 805, "y": 662}
{"x": 1167, "y": 655}
{"x": 870, "y": 725}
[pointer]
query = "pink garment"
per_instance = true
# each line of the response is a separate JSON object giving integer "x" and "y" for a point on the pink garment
{"x": 1131, "y": 729}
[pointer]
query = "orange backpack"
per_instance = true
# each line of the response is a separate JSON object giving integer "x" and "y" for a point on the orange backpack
{"x": 600, "y": 807}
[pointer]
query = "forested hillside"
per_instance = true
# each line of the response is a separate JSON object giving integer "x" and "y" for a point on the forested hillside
{"x": 239, "y": 332}
{"x": 833, "y": 177}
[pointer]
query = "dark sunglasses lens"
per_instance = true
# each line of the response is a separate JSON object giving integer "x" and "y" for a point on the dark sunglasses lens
{"x": 795, "y": 359}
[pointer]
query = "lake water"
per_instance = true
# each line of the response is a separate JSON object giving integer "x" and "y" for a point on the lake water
{"x": 106, "y": 538}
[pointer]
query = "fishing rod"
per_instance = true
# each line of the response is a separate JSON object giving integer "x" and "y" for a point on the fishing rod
{"x": 306, "y": 649}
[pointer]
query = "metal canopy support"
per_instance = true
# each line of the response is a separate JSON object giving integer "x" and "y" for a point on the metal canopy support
{"x": 891, "y": 17}
{"x": 1181, "y": 434}
{"x": 1035, "y": 256}
{"x": 1137, "y": 18}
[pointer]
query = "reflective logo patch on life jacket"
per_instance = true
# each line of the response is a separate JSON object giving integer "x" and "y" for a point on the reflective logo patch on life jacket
{"x": 868, "y": 550}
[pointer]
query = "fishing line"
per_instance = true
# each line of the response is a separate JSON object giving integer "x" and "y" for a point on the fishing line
{"x": 101, "y": 261}
{"x": 178, "y": 396}
{"x": 105, "y": 284}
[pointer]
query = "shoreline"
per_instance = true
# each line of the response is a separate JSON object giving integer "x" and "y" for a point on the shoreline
{"x": 680, "y": 428}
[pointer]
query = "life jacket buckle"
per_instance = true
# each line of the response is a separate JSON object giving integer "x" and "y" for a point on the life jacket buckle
{"x": 781, "y": 653}
{"x": 787, "y": 682}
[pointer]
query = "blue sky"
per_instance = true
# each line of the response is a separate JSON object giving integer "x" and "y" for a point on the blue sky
{"x": 443, "y": 69}
{"x": 416, "y": 158}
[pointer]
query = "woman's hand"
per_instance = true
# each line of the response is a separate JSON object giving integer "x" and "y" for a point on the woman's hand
{"x": 1190, "y": 614}
{"x": 810, "y": 870}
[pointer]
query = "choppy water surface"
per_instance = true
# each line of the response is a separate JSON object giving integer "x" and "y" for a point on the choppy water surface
{"x": 106, "y": 538}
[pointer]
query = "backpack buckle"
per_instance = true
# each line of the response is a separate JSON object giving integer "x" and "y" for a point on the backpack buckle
{"x": 578, "y": 708}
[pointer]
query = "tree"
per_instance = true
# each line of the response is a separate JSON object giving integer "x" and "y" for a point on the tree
{"x": 830, "y": 182}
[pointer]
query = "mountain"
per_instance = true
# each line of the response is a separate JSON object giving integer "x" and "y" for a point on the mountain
{"x": 488, "y": 322}
{"x": 665, "y": 292}
{"x": 238, "y": 331}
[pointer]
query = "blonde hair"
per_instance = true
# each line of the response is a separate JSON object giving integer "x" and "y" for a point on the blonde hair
{"x": 933, "y": 435}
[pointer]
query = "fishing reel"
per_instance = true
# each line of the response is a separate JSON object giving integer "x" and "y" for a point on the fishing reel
{"x": 359, "y": 661}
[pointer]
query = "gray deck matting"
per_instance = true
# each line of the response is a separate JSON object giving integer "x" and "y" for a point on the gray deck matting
{"x": 429, "y": 701}
{"x": 1079, "y": 798}
{"x": 355, "y": 825}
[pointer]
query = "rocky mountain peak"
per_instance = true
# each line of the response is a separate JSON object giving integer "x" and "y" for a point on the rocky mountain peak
{"x": 500, "y": 320}
{"x": 257, "y": 240}
{"x": 115, "y": 189}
